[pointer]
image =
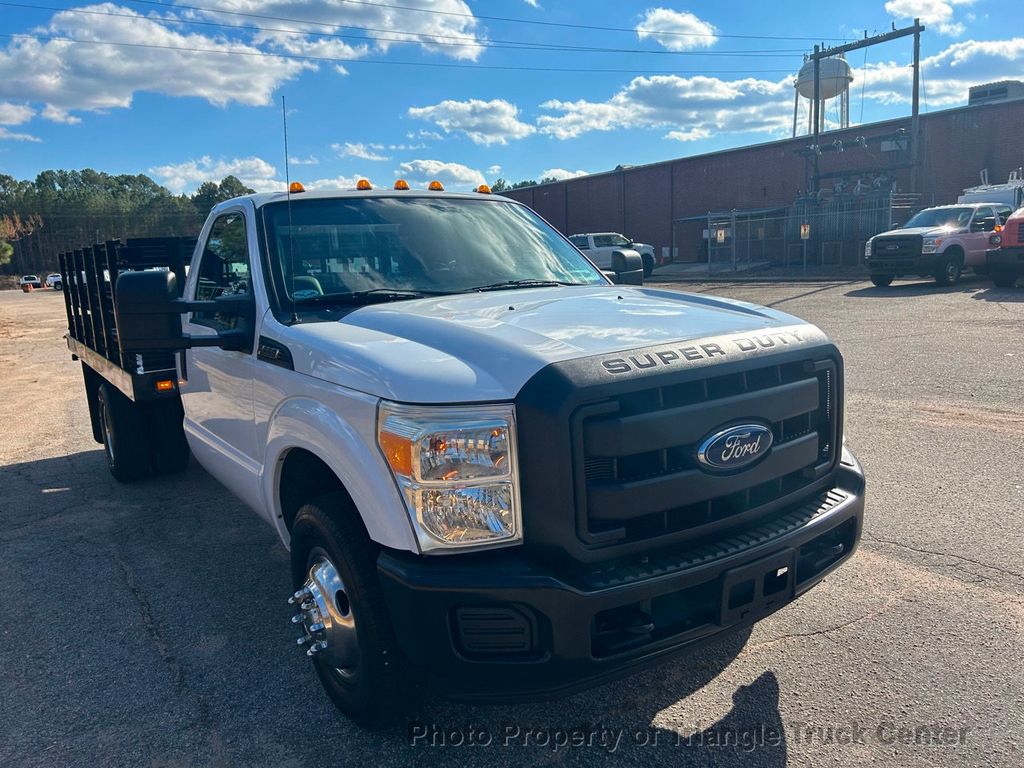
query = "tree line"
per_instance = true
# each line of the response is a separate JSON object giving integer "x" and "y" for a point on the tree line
{"x": 62, "y": 210}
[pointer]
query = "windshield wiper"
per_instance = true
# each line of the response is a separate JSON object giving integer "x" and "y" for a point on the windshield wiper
{"x": 507, "y": 285}
{"x": 366, "y": 297}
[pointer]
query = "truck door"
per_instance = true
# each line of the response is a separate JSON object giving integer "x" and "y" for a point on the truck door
{"x": 982, "y": 226}
{"x": 218, "y": 390}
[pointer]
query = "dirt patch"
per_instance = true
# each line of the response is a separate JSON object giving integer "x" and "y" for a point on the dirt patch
{"x": 992, "y": 419}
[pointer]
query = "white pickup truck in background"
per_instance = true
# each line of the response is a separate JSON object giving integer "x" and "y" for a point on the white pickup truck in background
{"x": 494, "y": 468}
{"x": 599, "y": 247}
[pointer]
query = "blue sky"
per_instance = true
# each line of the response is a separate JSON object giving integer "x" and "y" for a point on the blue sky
{"x": 690, "y": 78}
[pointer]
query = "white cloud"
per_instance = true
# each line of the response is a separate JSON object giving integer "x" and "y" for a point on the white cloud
{"x": 676, "y": 30}
{"x": 15, "y": 114}
{"x": 254, "y": 172}
{"x": 337, "y": 182}
{"x": 311, "y": 160}
{"x": 66, "y": 76}
{"x": 484, "y": 122}
{"x": 688, "y": 105}
{"x": 561, "y": 174}
{"x": 361, "y": 151}
{"x": 423, "y": 134}
{"x": 387, "y": 26}
{"x": 938, "y": 13}
{"x": 494, "y": 170}
{"x": 948, "y": 75}
{"x": 693, "y": 134}
{"x": 421, "y": 172}
{"x": 6, "y": 135}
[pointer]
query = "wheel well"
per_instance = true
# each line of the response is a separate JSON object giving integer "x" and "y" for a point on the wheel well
{"x": 957, "y": 251}
{"x": 304, "y": 476}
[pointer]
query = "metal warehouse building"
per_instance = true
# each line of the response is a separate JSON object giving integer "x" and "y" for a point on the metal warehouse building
{"x": 750, "y": 202}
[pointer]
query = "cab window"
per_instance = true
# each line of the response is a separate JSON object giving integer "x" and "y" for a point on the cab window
{"x": 620, "y": 242}
{"x": 603, "y": 241}
{"x": 223, "y": 268}
{"x": 1003, "y": 213}
{"x": 984, "y": 220}
{"x": 580, "y": 241}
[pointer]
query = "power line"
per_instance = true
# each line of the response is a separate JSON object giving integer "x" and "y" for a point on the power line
{"x": 488, "y": 18}
{"x": 434, "y": 64}
{"x": 507, "y": 44}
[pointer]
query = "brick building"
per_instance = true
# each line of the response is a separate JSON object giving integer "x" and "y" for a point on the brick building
{"x": 648, "y": 202}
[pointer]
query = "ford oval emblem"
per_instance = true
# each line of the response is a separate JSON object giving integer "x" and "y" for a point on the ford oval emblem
{"x": 735, "y": 447}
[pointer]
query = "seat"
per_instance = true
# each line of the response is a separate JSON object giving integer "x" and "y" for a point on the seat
{"x": 306, "y": 285}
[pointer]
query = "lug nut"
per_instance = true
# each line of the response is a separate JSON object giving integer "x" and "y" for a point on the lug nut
{"x": 298, "y": 617}
{"x": 308, "y": 605}
{"x": 316, "y": 648}
{"x": 318, "y": 627}
{"x": 299, "y": 596}
{"x": 303, "y": 640}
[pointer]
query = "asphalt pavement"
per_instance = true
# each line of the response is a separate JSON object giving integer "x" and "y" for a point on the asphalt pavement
{"x": 146, "y": 625}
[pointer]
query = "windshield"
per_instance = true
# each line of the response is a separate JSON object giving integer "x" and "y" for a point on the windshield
{"x": 332, "y": 248}
{"x": 942, "y": 217}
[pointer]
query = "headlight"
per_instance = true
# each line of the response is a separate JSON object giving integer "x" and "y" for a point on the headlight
{"x": 931, "y": 244}
{"x": 456, "y": 469}
{"x": 867, "y": 248}
{"x": 995, "y": 240}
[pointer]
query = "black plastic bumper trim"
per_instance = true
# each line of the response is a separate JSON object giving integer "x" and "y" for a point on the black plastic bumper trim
{"x": 422, "y": 594}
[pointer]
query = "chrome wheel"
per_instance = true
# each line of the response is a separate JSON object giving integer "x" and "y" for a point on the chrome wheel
{"x": 326, "y": 617}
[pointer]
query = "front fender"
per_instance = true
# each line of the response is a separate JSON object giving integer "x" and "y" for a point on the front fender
{"x": 342, "y": 435}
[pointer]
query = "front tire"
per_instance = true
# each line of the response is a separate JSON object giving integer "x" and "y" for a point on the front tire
{"x": 1004, "y": 278}
{"x": 648, "y": 265}
{"x": 882, "y": 281}
{"x": 949, "y": 270}
{"x": 373, "y": 684}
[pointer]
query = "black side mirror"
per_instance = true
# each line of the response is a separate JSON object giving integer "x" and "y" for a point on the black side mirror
{"x": 895, "y": 225}
{"x": 628, "y": 267}
{"x": 148, "y": 314}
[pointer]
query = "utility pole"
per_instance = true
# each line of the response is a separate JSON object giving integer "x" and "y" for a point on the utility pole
{"x": 915, "y": 116}
{"x": 816, "y": 110}
{"x": 824, "y": 53}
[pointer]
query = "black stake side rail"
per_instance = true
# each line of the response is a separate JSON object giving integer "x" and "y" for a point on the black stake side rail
{"x": 90, "y": 276}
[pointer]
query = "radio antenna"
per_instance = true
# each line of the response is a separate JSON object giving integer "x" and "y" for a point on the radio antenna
{"x": 288, "y": 193}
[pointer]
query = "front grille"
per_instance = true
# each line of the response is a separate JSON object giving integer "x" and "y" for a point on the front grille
{"x": 1020, "y": 233}
{"x": 637, "y": 472}
{"x": 905, "y": 248}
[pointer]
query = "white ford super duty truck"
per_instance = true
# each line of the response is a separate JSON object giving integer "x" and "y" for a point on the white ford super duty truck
{"x": 496, "y": 469}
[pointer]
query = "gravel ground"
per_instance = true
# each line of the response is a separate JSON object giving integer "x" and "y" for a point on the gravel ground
{"x": 146, "y": 625}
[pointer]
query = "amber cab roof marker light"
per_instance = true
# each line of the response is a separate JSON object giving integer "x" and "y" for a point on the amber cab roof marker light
{"x": 402, "y": 184}
{"x": 295, "y": 187}
{"x": 363, "y": 184}
{"x": 436, "y": 186}
{"x": 483, "y": 189}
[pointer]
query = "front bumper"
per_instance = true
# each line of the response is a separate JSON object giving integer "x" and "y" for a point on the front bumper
{"x": 1006, "y": 258}
{"x": 497, "y": 626}
{"x": 921, "y": 264}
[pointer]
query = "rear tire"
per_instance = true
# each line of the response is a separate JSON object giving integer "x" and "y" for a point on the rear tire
{"x": 882, "y": 281}
{"x": 124, "y": 439}
{"x": 949, "y": 270}
{"x": 1004, "y": 278}
{"x": 374, "y": 693}
{"x": 648, "y": 265}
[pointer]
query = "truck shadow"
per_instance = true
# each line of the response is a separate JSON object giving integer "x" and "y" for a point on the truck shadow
{"x": 920, "y": 287}
{"x": 184, "y": 655}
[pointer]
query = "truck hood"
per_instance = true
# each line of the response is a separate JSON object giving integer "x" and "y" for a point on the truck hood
{"x": 486, "y": 346}
{"x": 922, "y": 231}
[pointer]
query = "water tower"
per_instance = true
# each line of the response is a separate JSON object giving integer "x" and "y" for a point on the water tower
{"x": 834, "y": 78}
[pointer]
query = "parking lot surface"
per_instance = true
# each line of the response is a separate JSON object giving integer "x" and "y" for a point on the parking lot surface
{"x": 146, "y": 625}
